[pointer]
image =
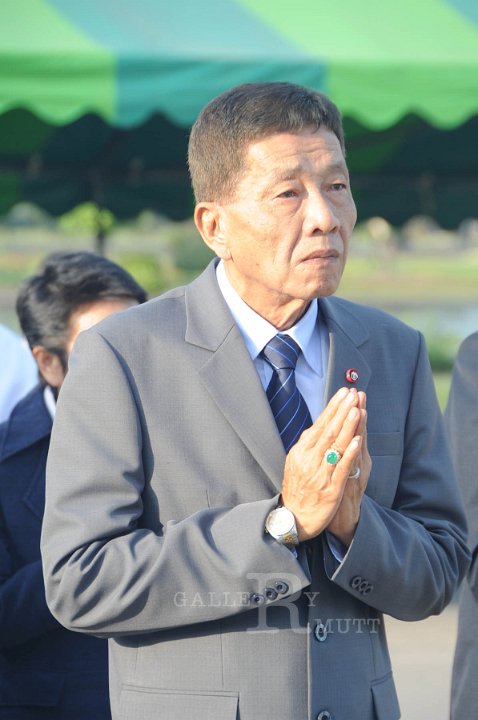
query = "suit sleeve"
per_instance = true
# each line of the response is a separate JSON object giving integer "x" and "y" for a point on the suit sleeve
{"x": 104, "y": 573}
{"x": 407, "y": 560}
{"x": 461, "y": 419}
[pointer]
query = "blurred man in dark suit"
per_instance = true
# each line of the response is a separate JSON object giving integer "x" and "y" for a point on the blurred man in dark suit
{"x": 46, "y": 671}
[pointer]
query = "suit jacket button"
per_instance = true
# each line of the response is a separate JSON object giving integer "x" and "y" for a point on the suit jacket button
{"x": 281, "y": 587}
{"x": 368, "y": 589}
{"x": 270, "y": 593}
{"x": 355, "y": 582}
{"x": 257, "y": 599}
{"x": 324, "y": 715}
{"x": 320, "y": 632}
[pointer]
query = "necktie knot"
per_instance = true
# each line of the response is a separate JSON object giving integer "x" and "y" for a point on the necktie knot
{"x": 281, "y": 352}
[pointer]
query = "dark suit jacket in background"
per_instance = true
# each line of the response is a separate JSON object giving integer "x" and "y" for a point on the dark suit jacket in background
{"x": 165, "y": 461}
{"x": 461, "y": 418}
{"x": 45, "y": 671}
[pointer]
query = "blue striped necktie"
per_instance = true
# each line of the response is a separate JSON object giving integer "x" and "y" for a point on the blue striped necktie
{"x": 287, "y": 404}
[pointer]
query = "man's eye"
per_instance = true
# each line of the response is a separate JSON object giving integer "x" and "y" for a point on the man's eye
{"x": 288, "y": 194}
{"x": 338, "y": 186}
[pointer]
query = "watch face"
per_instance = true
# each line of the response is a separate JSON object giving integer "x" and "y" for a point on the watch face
{"x": 280, "y": 522}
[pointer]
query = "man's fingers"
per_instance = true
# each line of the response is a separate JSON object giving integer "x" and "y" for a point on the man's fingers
{"x": 342, "y": 398}
{"x": 353, "y": 449}
{"x": 362, "y": 404}
{"x": 329, "y": 423}
{"x": 348, "y": 429}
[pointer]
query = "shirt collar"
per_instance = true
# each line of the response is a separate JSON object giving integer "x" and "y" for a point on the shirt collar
{"x": 257, "y": 331}
{"x": 50, "y": 401}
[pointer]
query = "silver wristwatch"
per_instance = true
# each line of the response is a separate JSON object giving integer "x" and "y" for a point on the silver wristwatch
{"x": 281, "y": 525}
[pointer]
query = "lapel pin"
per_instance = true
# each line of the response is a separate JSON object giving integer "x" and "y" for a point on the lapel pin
{"x": 352, "y": 375}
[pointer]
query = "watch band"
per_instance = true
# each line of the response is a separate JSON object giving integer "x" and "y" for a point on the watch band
{"x": 290, "y": 538}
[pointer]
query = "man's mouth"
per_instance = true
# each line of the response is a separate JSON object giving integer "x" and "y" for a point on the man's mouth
{"x": 329, "y": 254}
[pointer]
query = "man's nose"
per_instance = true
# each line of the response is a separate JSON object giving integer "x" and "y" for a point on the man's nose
{"x": 321, "y": 216}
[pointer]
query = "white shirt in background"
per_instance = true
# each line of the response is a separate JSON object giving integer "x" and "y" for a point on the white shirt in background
{"x": 18, "y": 370}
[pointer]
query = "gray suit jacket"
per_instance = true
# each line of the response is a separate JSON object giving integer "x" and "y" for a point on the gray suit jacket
{"x": 165, "y": 461}
{"x": 461, "y": 417}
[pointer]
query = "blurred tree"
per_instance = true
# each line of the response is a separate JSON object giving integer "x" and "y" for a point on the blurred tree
{"x": 89, "y": 218}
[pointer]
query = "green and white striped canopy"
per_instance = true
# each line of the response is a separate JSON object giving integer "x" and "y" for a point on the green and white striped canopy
{"x": 127, "y": 61}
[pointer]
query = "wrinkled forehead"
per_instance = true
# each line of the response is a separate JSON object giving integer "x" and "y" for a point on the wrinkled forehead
{"x": 287, "y": 153}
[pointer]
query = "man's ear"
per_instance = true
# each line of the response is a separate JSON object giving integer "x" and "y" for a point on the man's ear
{"x": 209, "y": 219}
{"x": 49, "y": 365}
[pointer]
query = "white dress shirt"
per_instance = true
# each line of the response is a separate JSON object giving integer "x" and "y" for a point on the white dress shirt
{"x": 50, "y": 401}
{"x": 310, "y": 335}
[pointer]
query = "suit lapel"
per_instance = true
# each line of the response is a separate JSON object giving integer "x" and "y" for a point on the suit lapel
{"x": 346, "y": 335}
{"x": 229, "y": 375}
{"x": 28, "y": 423}
{"x": 27, "y": 434}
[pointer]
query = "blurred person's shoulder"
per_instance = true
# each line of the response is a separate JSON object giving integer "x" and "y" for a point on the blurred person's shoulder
{"x": 28, "y": 423}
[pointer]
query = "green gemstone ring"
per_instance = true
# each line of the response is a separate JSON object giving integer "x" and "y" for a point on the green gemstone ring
{"x": 332, "y": 456}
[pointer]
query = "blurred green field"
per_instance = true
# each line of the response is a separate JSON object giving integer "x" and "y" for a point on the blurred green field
{"x": 372, "y": 275}
{"x": 414, "y": 284}
{"x": 442, "y": 384}
{"x": 409, "y": 278}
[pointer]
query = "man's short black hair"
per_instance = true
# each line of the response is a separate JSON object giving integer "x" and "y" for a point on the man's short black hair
{"x": 226, "y": 127}
{"x": 65, "y": 281}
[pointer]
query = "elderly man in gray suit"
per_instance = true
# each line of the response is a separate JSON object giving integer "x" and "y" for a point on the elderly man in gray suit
{"x": 461, "y": 419}
{"x": 246, "y": 472}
